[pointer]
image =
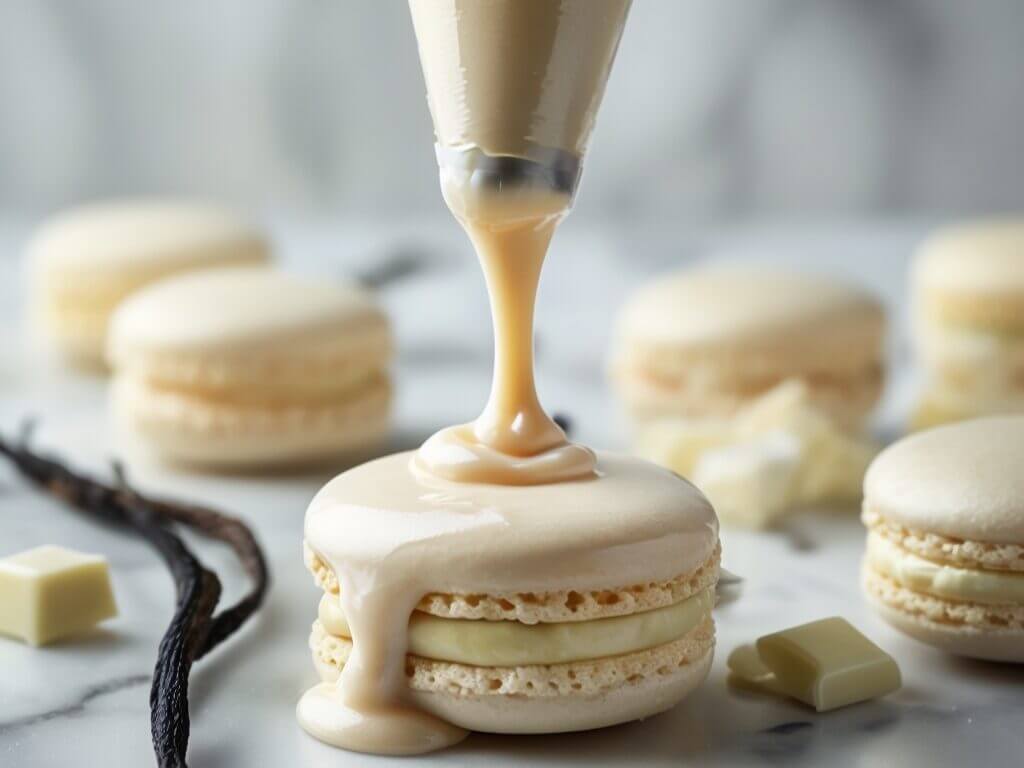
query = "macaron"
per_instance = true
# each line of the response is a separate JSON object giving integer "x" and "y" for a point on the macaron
{"x": 944, "y": 510}
{"x": 968, "y": 285}
{"x": 534, "y": 609}
{"x": 247, "y": 366}
{"x": 703, "y": 342}
{"x": 85, "y": 261}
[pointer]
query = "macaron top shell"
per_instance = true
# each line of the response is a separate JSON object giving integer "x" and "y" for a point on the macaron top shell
{"x": 748, "y": 306}
{"x": 985, "y": 258}
{"x": 126, "y": 239}
{"x": 634, "y": 523}
{"x": 963, "y": 481}
{"x": 243, "y": 310}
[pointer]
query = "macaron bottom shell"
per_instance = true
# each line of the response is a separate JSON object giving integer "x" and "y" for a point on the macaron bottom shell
{"x": 537, "y": 711}
{"x": 958, "y": 639}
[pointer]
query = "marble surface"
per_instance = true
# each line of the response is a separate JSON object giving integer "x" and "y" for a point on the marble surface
{"x": 84, "y": 702}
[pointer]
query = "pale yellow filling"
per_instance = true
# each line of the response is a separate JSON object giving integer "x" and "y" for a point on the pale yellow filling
{"x": 71, "y": 321}
{"x": 279, "y": 391}
{"x": 483, "y": 643}
{"x": 972, "y": 371}
{"x": 940, "y": 580}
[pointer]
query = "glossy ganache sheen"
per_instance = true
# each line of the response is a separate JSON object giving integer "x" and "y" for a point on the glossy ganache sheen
{"x": 391, "y": 536}
{"x": 505, "y": 504}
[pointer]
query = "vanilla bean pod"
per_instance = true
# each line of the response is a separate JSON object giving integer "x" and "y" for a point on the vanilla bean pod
{"x": 240, "y": 538}
{"x": 198, "y": 591}
{"x": 193, "y": 630}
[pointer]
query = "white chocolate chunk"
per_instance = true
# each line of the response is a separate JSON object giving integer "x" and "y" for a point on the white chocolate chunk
{"x": 746, "y": 662}
{"x": 746, "y": 670}
{"x": 50, "y": 592}
{"x": 787, "y": 406}
{"x": 833, "y": 463}
{"x": 778, "y": 454}
{"x": 751, "y": 483}
{"x": 680, "y": 443}
{"x": 826, "y": 664}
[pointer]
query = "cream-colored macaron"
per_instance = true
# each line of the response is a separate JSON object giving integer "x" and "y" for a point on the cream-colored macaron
{"x": 705, "y": 341}
{"x": 968, "y": 287}
{"x": 85, "y": 261}
{"x": 945, "y": 557}
{"x": 250, "y": 366}
{"x": 583, "y": 604}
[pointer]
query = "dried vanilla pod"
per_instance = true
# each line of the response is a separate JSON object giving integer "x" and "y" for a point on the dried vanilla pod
{"x": 194, "y": 629}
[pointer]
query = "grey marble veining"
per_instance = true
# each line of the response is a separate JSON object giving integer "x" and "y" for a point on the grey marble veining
{"x": 84, "y": 702}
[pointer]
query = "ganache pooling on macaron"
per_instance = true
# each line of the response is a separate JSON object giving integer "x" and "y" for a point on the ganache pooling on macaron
{"x": 502, "y": 578}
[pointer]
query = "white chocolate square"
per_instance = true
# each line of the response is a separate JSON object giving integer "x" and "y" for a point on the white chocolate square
{"x": 827, "y": 664}
{"x": 746, "y": 670}
{"x": 50, "y": 592}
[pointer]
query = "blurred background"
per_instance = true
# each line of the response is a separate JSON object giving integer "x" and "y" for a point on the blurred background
{"x": 717, "y": 112}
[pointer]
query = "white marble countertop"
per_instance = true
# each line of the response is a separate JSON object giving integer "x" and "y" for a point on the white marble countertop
{"x": 85, "y": 702}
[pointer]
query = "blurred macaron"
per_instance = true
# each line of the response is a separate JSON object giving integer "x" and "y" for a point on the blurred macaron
{"x": 755, "y": 383}
{"x": 705, "y": 342}
{"x": 968, "y": 284}
{"x": 83, "y": 262}
{"x": 250, "y": 367}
